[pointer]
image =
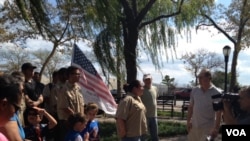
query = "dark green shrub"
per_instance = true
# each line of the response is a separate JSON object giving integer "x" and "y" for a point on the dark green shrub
{"x": 108, "y": 130}
{"x": 169, "y": 128}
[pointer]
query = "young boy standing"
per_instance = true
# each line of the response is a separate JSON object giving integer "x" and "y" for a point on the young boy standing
{"x": 92, "y": 128}
{"x": 77, "y": 123}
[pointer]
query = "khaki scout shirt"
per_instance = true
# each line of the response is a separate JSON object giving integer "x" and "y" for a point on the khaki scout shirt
{"x": 133, "y": 112}
{"x": 55, "y": 93}
{"x": 71, "y": 97}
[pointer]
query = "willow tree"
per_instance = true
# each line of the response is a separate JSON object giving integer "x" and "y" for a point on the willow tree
{"x": 130, "y": 26}
{"x": 120, "y": 25}
{"x": 234, "y": 23}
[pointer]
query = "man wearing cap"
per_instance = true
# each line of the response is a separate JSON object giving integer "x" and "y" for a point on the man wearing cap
{"x": 149, "y": 99}
{"x": 33, "y": 91}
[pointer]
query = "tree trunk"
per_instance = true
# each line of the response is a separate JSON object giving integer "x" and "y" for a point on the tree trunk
{"x": 119, "y": 72}
{"x": 233, "y": 68}
{"x": 48, "y": 58}
{"x": 130, "y": 43}
{"x": 196, "y": 76}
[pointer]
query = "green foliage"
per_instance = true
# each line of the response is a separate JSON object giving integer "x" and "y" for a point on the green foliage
{"x": 22, "y": 8}
{"x": 168, "y": 113}
{"x": 166, "y": 129}
{"x": 167, "y": 80}
{"x": 108, "y": 131}
{"x": 219, "y": 79}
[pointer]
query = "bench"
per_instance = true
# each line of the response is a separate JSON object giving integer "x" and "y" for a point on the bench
{"x": 168, "y": 101}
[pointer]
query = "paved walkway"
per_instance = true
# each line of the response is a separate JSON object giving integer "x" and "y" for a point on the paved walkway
{"x": 177, "y": 138}
{"x": 112, "y": 119}
{"x": 184, "y": 138}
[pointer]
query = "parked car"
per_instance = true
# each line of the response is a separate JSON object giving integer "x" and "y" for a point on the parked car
{"x": 183, "y": 93}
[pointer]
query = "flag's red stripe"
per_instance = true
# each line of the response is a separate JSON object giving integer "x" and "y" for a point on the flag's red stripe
{"x": 103, "y": 94}
{"x": 94, "y": 79}
{"x": 104, "y": 97}
{"x": 95, "y": 84}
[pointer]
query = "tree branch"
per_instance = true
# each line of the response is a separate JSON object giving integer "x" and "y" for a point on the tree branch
{"x": 65, "y": 29}
{"x": 67, "y": 39}
{"x": 219, "y": 28}
{"x": 127, "y": 10}
{"x": 144, "y": 11}
{"x": 134, "y": 7}
{"x": 50, "y": 32}
{"x": 242, "y": 21}
{"x": 202, "y": 24}
{"x": 163, "y": 16}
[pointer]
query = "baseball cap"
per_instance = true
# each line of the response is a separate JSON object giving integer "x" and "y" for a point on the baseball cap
{"x": 147, "y": 76}
{"x": 26, "y": 66}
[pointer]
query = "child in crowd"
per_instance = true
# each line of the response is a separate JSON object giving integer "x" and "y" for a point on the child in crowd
{"x": 36, "y": 131}
{"x": 77, "y": 123}
{"x": 92, "y": 127}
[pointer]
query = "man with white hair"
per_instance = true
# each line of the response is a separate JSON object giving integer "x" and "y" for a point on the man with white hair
{"x": 149, "y": 99}
{"x": 202, "y": 120}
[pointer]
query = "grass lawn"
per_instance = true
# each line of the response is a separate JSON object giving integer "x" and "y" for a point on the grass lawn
{"x": 168, "y": 113}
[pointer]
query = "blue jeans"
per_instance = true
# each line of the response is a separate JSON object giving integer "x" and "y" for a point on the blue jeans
{"x": 138, "y": 138}
{"x": 153, "y": 128}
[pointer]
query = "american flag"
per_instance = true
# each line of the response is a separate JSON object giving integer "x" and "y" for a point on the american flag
{"x": 94, "y": 89}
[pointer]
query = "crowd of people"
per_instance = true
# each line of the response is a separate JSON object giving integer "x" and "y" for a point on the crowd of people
{"x": 31, "y": 110}
{"x": 137, "y": 113}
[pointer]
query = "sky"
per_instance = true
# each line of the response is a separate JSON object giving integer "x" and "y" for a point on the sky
{"x": 211, "y": 41}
